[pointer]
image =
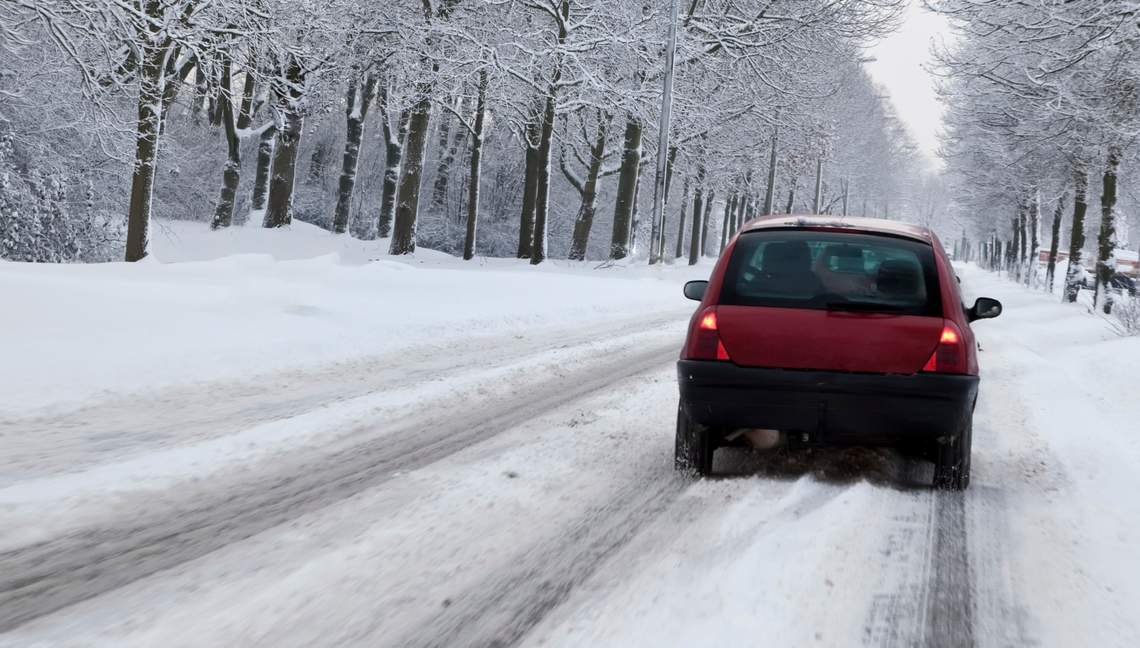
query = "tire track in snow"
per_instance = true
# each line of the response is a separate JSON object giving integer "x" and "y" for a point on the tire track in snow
{"x": 999, "y": 618}
{"x": 38, "y": 580}
{"x": 950, "y": 599}
{"x": 53, "y": 442}
{"x": 898, "y": 616}
{"x": 926, "y": 562}
{"x": 503, "y": 610}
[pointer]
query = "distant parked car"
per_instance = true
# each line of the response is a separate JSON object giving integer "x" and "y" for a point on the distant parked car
{"x": 827, "y": 330}
{"x": 1124, "y": 283}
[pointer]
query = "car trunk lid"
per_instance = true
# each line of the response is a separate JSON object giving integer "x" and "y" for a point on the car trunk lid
{"x": 795, "y": 338}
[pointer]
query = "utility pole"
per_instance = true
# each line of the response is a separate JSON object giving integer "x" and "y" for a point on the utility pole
{"x": 769, "y": 196}
{"x": 657, "y": 234}
{"x": 846, "y": 191}
{"x": 818, "y": 184}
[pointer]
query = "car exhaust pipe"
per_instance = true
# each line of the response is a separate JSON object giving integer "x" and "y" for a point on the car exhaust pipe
{"x": 759, "y": 438}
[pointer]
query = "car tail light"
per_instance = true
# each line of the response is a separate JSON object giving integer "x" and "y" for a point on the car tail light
{"x": 706, "y": 344}
{"x": 950, "y": 355}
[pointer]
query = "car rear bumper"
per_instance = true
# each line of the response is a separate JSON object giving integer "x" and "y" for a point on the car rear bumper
{"x": 830, "y": 406}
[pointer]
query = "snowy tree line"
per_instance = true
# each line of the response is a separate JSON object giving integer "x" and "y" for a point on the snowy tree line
{"x": 496, "y": 127}
{"x": 1041, "y": 126}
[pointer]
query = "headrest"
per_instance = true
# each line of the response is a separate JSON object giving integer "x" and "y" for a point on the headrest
{"x": 847, "y": 257}
{"x": 786, "y": 257}
{"x": 897, "y": 277}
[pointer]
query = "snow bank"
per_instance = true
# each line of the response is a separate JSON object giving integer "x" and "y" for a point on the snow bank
{"x": 1057, "y": 467}
{"x": 180, "y": 241}
{"x": 209, "y": 305}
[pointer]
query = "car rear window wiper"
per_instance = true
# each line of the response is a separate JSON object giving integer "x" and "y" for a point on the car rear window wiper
{"x": 864, "y": 306}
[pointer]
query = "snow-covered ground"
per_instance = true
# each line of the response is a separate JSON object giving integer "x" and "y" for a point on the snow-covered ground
{"x": 336, "y": 451}
{"x": 258, "y": 301}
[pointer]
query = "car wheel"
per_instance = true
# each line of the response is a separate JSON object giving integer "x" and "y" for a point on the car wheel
{"x": 694, "y": 449}
{"x": 952, "y": 464}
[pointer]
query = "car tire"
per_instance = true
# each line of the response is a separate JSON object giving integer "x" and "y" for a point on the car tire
{"x": 952, "y": 463}
{"x": 694, "y": 449}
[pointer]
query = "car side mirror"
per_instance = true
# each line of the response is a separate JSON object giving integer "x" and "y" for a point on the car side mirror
{"x": 984, "y": 308}
{"x": 695, "y": 290}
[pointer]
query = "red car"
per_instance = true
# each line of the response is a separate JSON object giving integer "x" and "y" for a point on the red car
{"x": 829, "y": 330}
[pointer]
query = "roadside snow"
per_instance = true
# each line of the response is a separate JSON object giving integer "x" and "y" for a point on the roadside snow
{"x": 74, "y": 494}
{"x": 1057, "y": 468}
{"x": 73, "y": 332}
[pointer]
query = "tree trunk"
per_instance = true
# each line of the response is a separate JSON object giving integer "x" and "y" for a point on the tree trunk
{"x": 231, "y": 173}
{"x": 542, "y": 190}
{"x": 318, "y": 162}
{"x": 792, "y": 199}
{"x": 394, "y": 152}
{"x": 1106, "y": 239}
{"x": 635, "y": 217}
{"x": 146, "y": 151}
{"x": 530, "y": 190}
{"x": 627, "y": 189}
{"x": 698, "y": 208}
{"x": 727, "y": 221}
{"x": 681, "y": 222}
{"x": 1031, "y": 269}
{"x": 705, "y": 223}
{"x": 585, "y": 220}
{"x": 356, "y": 110}
{"x": 279, "y": 209}
{"x": 1018, "y": 243}
{"x": 476, "y": 160}
{"x": 172, "y": 81}
{"x": 265, "y": 146}
{"x": 744, "y": 207}
{"x": 668, "y": 182}
{"x": 542, "y": 193}
{"x": 1077, "y": 238}
{"x": 408, "y": 192}
{"x": 201, "y": 89}
{"x": 1023, "y": 234}
{"x": 1054, "y": 242}
{"x": 443, "y": 171}
{"x": 439, "y": 189}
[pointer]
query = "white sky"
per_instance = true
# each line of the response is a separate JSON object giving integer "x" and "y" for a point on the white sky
{"x": 900, "y": 67}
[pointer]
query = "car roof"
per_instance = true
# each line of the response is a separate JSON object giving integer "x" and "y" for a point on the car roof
{"x": 854, "y": 224}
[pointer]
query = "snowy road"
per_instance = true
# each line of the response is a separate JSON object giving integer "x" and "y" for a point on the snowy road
{"x": 521, "y": 491}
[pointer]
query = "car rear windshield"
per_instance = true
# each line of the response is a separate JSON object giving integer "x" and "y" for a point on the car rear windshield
{"x": 838, "y": 271}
